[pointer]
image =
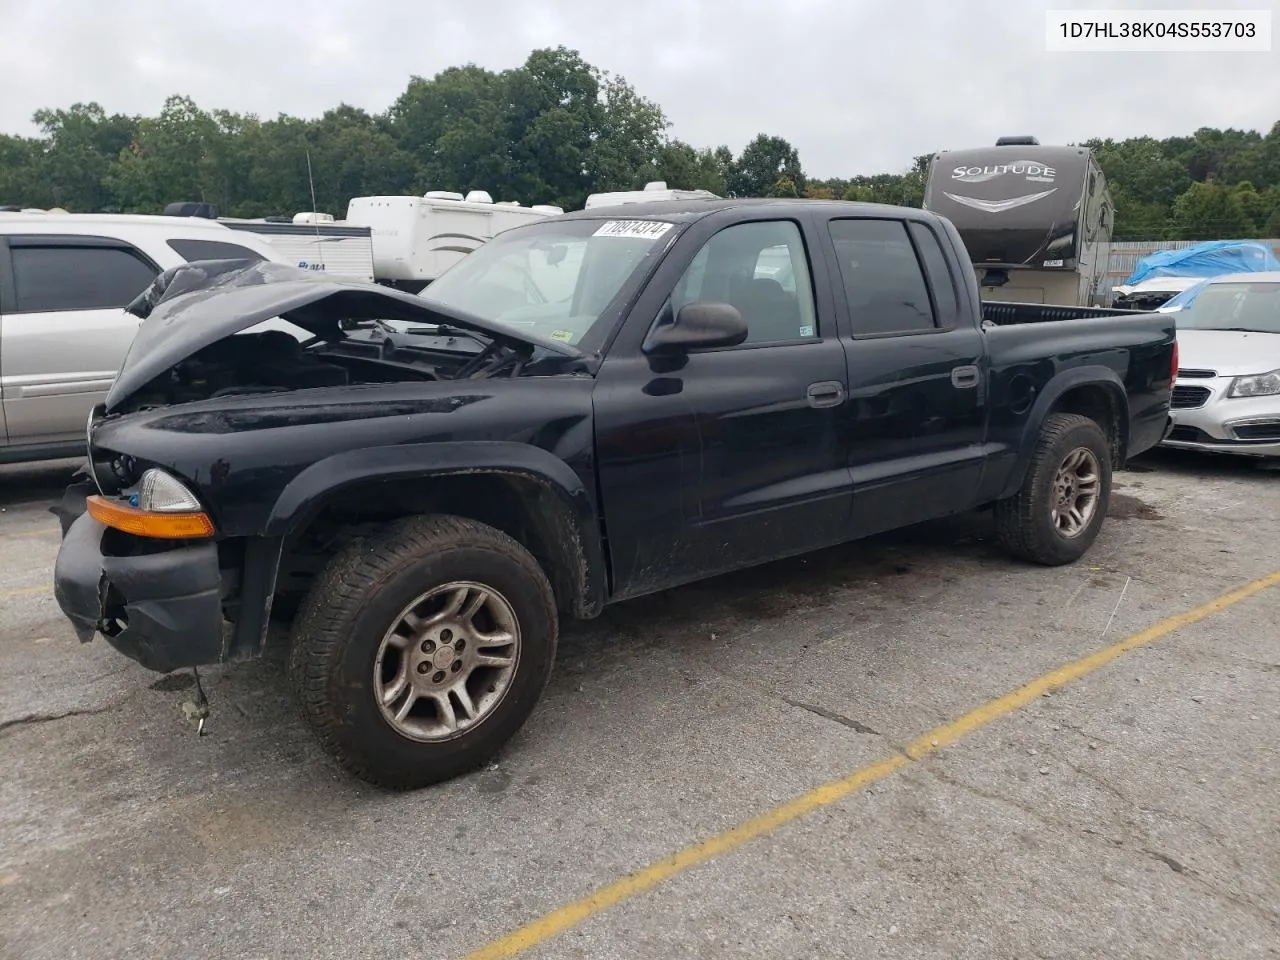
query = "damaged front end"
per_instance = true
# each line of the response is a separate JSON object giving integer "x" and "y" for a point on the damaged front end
{"x": 240, "y": 377}
{"x": 158, "y": 602}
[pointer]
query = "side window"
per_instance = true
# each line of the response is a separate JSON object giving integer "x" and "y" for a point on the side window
{"x": 192, "y": 250}
{"x": 883, "y": 281}
{"x": 762, "y": 269}
{"x": 941, "y": 279}
{"x": 77, "y": 278}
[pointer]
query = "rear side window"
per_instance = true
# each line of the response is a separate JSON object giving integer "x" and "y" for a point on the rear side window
{"x": 192, "y": 250}
{"x": 77, "y": 278}
{"x": 883, "y": 280}
{"x": 941, "y": 281}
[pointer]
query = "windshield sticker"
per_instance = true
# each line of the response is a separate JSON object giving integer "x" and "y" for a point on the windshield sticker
{"x": 633, "y": 229}
{"x": 562, "y": 335}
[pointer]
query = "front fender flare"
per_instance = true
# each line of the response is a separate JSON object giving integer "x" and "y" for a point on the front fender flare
{"x": 306, "y": 493}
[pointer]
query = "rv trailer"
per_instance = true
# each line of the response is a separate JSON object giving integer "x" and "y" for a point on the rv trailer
{"x": 310, "y": 241}
{"x": 1036, "y": 220}
{"x": 315, "y": 241}
{"x": 415, "y": 239}
{"x": 654, "y": 190}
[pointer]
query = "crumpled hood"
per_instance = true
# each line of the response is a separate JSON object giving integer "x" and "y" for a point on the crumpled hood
{"x": 189, "y": 307}
{"x": 1231, "y": 353}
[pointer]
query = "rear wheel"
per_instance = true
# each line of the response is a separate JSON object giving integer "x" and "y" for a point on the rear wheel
{"x": 421, "y": 650}
{"x": 1057, "y": 514}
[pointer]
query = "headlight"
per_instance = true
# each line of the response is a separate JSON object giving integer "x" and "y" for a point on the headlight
{"x": 1259, "y": 385}
{"x": 162, "y": 508}
{"x": 158, "y": 492}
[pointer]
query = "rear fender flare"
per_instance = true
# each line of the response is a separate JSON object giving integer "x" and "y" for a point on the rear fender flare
{"x": 1054, "y": 391}
{"x": 306, "y": 494}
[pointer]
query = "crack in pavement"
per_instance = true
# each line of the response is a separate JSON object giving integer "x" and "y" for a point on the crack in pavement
{"x": 994, "y": 797}
{"x": 830, "y": 715}
{"x": 31, "y": 719}
{"x": 1193, "y": 876}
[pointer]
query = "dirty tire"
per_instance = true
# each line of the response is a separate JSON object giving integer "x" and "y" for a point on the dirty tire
{"x": 1024, "y": 522}
{"x": 359, "y": 596}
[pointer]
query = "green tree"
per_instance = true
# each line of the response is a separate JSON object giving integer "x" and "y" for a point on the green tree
{"x": 18, "y": 159}
{"x": 454, "y": 129}
{"x": 80, "y": 144}
{"x": 629, "y": 137}
{"x": 785, "y": 187}
{"x": 763, "y": 162}
{"x": 173, "y": 157}
{"x": 684, "y": 168}
{"x": 1209, "y": 211}
{"x": 551, "y": 130}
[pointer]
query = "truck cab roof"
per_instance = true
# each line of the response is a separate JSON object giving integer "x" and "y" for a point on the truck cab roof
{"x": 690, "y": 210}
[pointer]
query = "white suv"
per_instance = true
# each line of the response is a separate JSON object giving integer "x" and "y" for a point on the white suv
{"x": 64, "y": 279}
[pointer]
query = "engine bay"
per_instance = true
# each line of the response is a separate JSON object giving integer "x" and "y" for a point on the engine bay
{"x": 268, "y": 362}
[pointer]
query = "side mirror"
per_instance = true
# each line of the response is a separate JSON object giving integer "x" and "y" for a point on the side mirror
{"x": 703, "y": 324}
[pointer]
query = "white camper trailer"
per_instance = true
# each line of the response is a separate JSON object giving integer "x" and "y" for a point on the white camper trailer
{"x": 315, "y": 241}
{"x": 654, "y": 190}
{"x": 310, "y": 241}
{"x": 415, "y": 239}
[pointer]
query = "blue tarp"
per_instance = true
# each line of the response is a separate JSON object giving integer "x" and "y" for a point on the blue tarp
{"x": 1210, "y": 259}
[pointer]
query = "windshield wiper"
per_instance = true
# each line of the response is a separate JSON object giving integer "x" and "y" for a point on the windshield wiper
{"x": 445, "y": 330}
{"x": 419, "y": 330}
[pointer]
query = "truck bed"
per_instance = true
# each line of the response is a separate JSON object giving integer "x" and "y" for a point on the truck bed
{"x": 1003, "y": 314}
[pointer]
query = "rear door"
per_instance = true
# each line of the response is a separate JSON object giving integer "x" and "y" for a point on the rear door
{"x": 916, "y": 369}
{"x": 63, "y": 332}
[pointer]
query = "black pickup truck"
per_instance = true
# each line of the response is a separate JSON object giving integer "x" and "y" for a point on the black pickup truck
{"x": 596, "y": 406}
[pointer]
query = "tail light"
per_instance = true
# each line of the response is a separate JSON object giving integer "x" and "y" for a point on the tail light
{"x": 1173, "y": 375}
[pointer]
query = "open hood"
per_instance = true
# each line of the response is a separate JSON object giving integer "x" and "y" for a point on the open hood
{"x": 190, "y": 307}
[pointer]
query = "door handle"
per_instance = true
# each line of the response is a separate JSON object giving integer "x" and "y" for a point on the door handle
{"x": 826, "y": 393}
{"x": 964, "y": 377}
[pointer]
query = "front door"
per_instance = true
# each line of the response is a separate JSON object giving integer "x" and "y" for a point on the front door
{"x": 917, "y": 374}
{"x": 736, "y": 455}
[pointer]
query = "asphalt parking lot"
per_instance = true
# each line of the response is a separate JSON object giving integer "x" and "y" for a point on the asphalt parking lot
{"x": 1131, "y": 812}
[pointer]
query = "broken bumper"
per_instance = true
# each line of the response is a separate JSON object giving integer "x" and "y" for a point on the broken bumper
{"x": 160, "y": 605}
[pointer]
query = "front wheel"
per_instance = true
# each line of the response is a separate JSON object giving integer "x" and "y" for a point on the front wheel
{"x": 420, "y": 651}
{"x": 1057, "y": 514}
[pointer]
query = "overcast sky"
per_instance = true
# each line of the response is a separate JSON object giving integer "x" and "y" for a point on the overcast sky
{"x": 858, "y": 86}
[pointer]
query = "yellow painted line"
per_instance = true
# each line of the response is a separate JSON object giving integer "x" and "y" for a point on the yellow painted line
{"x": 570, "y": 915}
{"x": 26, "y": 592}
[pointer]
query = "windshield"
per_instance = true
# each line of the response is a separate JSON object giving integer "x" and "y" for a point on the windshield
{"x": 1234, "y": 306}
{"x": 554, "y": 279}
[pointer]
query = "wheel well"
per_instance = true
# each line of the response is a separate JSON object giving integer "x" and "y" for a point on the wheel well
{"x": 524, "y": 509}
{"x": 1101, "y": 405}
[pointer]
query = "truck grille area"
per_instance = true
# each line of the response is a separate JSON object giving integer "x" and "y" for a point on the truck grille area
{"x": 1186, "y": 398}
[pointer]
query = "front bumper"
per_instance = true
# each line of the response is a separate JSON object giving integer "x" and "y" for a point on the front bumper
{"x": 1243, "y": 426}
{"x": 158, "y": 604}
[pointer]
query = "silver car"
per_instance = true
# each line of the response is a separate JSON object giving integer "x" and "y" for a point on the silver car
{"x": 64, "y": 279}
{"x": 1227, "y": 395}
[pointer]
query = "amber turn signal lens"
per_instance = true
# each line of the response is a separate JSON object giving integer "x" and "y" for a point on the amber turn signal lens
{"x": 140, "y": 523}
